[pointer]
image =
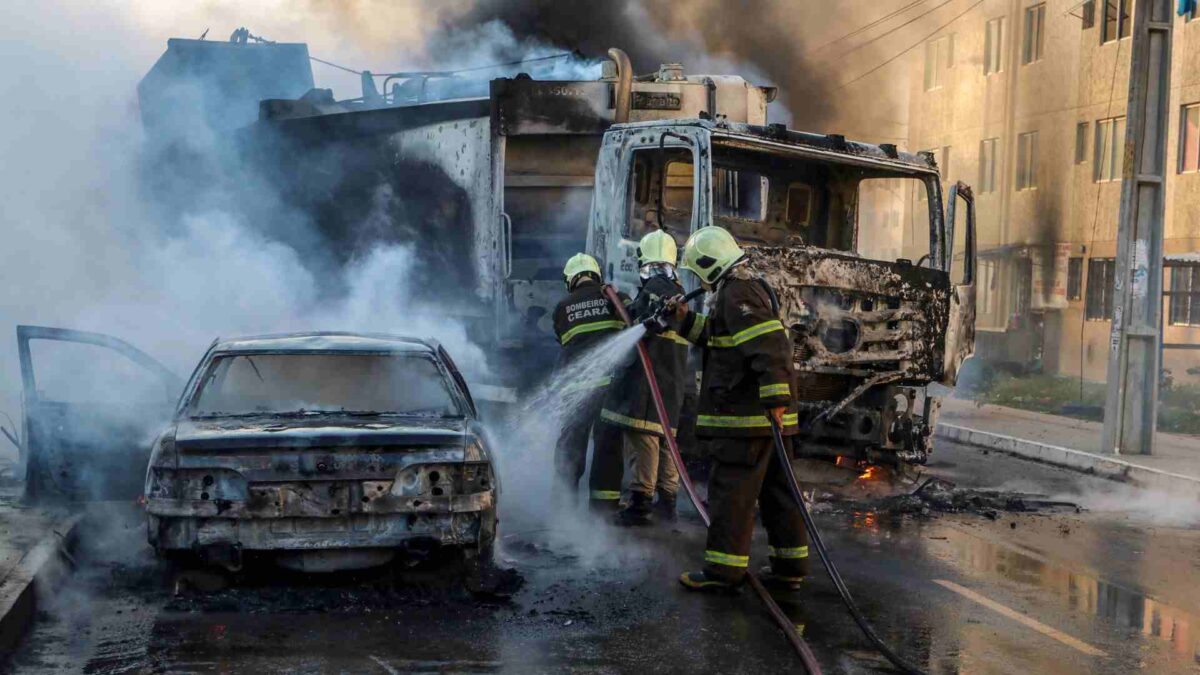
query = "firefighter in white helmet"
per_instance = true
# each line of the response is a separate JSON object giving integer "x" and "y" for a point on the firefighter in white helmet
{"x": 628, "y": 406}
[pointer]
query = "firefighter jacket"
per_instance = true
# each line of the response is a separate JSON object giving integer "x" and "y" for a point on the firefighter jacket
{"x": 582, "y": 320}
{"x": 629, "y": 403}
{"x": 747, "y": 359}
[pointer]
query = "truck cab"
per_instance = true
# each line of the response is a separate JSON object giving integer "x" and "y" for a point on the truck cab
{"x": 874, "y": 276}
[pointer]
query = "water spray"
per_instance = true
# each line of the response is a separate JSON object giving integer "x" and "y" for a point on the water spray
{"x": 807, "y": 658}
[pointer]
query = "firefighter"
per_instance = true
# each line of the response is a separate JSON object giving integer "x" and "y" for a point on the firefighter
{"x": 747, "y": 375}
{"x": 628, "y": 404}
{"x": 582, "y": 320}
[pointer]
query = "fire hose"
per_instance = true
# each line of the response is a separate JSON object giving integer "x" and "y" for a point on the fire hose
{"x": 807, "y": 658}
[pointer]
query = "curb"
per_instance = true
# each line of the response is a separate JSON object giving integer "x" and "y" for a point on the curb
{"x": 1077, "y": 460}
{"x": 18, "y": 591}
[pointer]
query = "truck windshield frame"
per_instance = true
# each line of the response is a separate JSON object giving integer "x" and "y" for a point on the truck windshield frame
{"x": 836, "y": 216}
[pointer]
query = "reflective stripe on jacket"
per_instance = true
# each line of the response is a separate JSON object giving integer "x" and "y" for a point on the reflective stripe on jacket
{"x": 747, "y": 360}
{"x": 582, "y": 320}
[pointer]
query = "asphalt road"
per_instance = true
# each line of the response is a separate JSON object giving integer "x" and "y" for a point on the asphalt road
{"x": 1106, "y": 590}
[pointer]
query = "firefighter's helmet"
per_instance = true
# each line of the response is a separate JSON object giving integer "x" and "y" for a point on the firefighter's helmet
{"x": 657, "y": 247}
{"x": 580, "y": 263}
{"x": 710, "y": 252}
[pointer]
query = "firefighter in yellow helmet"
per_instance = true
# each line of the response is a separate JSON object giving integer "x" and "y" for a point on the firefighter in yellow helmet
{"x": 629, "y": 406}
{"x": 582, "y": 320}
{"x": 747, "y": 375}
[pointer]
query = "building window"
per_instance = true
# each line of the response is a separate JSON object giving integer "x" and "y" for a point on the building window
{"x": 1107, "y": 159}
{"x": 1035, "y": 23}
{"x": 1189, "y": 139}
{"x": 939, "y": 58}
{"x": 1088, "y": 14}
{"x": 1101, "y": 272}
{"x": 1074, "y": 278}
{"x": 1081, "y": 142}
{"x": 993, "y": 46}
{"x": 986, "y": 303}
{"x": 987, "y": 164}
{"x": 1027, "y": 146}
{"x": 1184, "y": 295}
{"x": 1117, "y": 21}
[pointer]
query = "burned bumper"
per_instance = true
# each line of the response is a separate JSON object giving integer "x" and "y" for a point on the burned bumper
{"x": 320, "y": 516}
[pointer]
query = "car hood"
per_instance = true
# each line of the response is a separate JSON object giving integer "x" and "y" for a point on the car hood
{"x": 323, "y": 431}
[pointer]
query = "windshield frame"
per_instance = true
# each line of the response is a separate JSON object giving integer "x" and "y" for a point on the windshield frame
{"x": 887, "y": 168}
{"x": 205, "y": 372}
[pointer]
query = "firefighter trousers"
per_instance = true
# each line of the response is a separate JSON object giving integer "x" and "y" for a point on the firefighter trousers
{"x": 745, "y": 471}
{"x": 649, "y": 463}
{"x": 570, "y": 456}
{"x": 604, "y": 483}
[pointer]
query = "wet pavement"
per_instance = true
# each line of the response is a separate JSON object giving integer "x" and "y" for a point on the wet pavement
{"x": 1054, "y": 591}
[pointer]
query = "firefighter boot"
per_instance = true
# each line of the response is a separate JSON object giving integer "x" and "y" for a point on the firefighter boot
{"x": 638, "y": 512}
{"x": 780, "y": 581}
{"x": 603, "y": 508}
{"x": 664, "y": 508}
{"x": 701, "y": 581}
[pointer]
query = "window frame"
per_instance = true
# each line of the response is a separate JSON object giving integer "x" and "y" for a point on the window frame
{"x": 1191, "y": 304}
{"x": 1099, "y": 294}
{"x": 1033, "y": 44}
{"x": 1183, "y": 138}
{"x": 939, "y": 59}
{"x": 1123, "y": 22}
{"x": 993, "y": 47}
{"x": 987, "y": 169}
{"x": 1074, "y": 278}
{"x": 1088, "y": 14}
{"x": 1026, "y": 169}
{"x": 1083, "y": 137}
{"x": 1110, "y": 130}
{"x": 988, "y": 278}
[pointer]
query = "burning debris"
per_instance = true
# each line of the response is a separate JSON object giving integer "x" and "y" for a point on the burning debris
{"x": 936, "y": 496}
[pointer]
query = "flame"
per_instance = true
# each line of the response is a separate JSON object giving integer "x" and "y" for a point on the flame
{"x": 869, "y": 474}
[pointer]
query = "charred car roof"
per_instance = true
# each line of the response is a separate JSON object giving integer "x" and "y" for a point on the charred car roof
{"x": 326, "y": 342}
{"x": 779, "y": 134}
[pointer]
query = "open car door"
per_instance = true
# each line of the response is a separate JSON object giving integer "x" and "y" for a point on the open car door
{"x": 92, "y": 407}
{"x": 960, "y": 330}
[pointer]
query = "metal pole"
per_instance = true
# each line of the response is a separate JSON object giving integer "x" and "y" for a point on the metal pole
{"x": 1133, "y": 360}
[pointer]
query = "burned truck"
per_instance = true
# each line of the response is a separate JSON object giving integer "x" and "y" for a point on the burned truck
{"x": 490, "y": 179}
{"x": 875, "y": 280}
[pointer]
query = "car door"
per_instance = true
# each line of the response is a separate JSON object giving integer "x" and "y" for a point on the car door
{"x": 960, "y": 329}
{"x": 92, "y": 407}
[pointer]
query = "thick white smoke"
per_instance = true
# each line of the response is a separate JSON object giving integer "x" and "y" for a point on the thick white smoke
{"x": 83, "y": 249}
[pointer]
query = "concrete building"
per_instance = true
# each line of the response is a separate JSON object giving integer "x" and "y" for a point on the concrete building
{"x": 1025, "y": 101}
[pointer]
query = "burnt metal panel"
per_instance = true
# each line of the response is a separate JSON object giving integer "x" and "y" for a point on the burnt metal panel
{"x": 526, "y": 106}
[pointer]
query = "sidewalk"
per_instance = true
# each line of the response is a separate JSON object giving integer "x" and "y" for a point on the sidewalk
{"x": 31, "y": 541}
{"x": 1071, "y": 443}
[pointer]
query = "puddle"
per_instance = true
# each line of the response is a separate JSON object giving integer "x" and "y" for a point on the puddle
{"x": 1075, "y": 591}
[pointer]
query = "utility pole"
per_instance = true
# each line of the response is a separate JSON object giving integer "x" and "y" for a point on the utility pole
{"x": 1130, "y": 410}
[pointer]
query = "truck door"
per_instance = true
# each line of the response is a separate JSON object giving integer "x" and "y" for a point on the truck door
{"x": 960, "y": 329}
{"x": 92, "y": 407}
{"x": 649, "y": 185}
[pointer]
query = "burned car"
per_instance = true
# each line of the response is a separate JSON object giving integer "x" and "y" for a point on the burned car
{"x": 323, "y": 452}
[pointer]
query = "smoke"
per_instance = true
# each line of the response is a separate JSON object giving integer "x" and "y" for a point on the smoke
{"x": 767, "y": 41}
{"x": 86, "y": 248}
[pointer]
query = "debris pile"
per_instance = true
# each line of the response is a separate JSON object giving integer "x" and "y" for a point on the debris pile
{"x": 940, "y": 496}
